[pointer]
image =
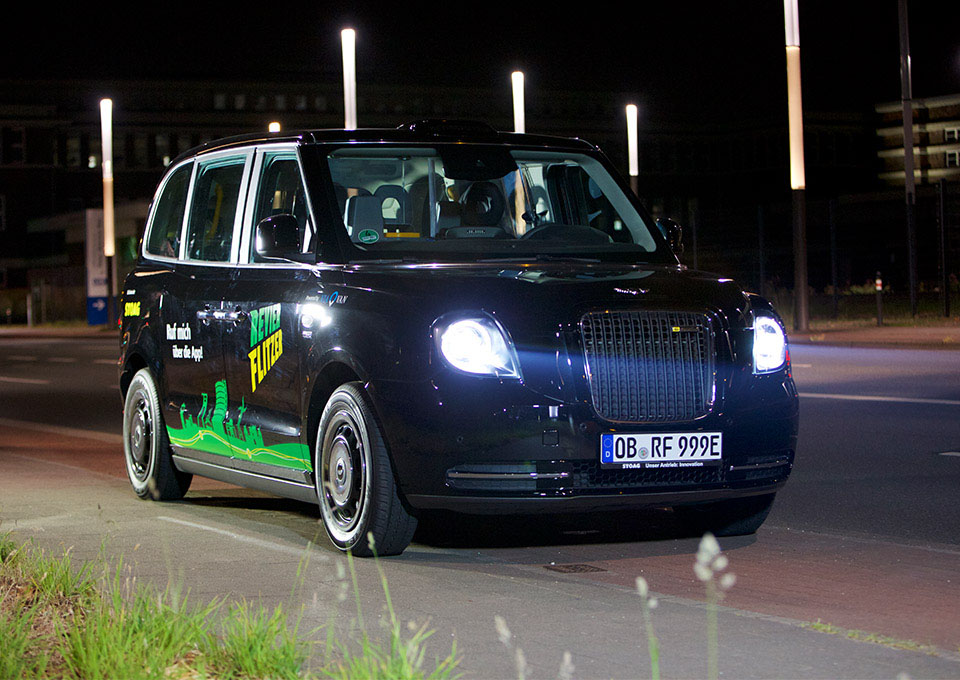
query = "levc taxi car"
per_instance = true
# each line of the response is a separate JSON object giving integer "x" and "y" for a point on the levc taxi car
{"x": 442, "y": 316}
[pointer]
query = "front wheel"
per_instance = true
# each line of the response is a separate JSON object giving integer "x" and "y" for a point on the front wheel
{"x": 735, "y": 517}
{"x": 146, "y": 448}
{"x": 354, "y": 479}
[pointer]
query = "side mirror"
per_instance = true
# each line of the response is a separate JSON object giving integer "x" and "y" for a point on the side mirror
{"x": 278, "y": 236}
{"x": 673, "y": 232}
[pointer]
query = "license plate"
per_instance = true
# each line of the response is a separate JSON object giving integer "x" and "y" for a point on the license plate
{"x": 661, "y": 450}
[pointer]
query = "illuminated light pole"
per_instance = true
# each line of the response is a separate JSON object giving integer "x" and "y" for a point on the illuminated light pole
{"x": 273, "y": 127}
{"x": 348, "y": 42}
{"x": 632, "y": 148}
{"x": 109, "y": 245}
{"x": 519, "y": 113}
{"x": 798, "y": 182}
{"x": 520, "y": 126}
{"x": 906, "y": 96}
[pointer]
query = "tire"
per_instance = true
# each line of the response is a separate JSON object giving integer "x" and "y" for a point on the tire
{"x": 354, "y": 479}
{"x": 146, "y": 448}
{"x": 737, "y": 517}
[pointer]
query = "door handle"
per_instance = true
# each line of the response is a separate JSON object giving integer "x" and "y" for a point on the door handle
{"x": 205, "y": 314}
{"x": 238, "y": 316}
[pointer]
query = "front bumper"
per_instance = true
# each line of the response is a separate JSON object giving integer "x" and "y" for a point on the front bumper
{"x": 486, "y": 446}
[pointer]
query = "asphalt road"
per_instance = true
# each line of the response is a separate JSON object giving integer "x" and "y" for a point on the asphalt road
{"x": 865, "y": 535}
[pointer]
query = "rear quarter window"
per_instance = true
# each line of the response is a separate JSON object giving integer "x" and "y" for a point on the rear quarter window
{"x": 164, "y": 233}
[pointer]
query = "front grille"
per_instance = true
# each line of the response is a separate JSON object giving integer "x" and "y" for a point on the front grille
{"x": 648, "y": 366}
{"x": 588, "y": 476}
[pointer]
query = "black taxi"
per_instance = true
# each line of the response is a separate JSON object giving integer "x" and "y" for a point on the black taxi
{"x": 442, "y": 316}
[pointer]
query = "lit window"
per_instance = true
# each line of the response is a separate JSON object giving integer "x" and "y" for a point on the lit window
{"x": 951, "y": 134}
{"x": 953, "y": 159}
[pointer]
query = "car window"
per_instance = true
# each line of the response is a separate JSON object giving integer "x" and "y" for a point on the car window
{"x": 164, "y": 236}
{"x": 281, "y": 192}
{"x": 213, "y": 212}
{"x": 484, "y": 200}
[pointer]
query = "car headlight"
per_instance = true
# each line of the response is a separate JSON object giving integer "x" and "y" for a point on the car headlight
{"x": 478, "y": 345}
{"x": 769, "y": 345}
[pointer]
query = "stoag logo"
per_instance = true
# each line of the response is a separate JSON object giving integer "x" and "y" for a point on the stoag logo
{"x": 266, "y": 342}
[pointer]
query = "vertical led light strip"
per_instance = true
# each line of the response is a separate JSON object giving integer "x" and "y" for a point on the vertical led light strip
{"x": 519, "y": 114}
{"x": 106, "y": 137}
{"x": 632, "y": 142}
{"x": 519, "y": 126}
{"x": 348, "y": 40}
{"x": 794, "y": 99}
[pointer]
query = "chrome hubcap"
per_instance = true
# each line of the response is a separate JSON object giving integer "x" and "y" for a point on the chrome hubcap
{"x": 140, "y": 437}
{"x": 341, "y": 477}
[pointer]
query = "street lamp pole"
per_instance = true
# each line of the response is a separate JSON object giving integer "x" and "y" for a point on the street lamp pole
{"x": 348, "y": 43}
{"x": 109, "y": 244}
{"x": 633, "y": 154}
{"x": 906, "y": 96}
{"x": 519, "y": 126}
{"x": 801, "y": 314}
{"x": 519, "y": 108}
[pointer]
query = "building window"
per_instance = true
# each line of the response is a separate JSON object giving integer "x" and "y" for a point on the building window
{"x": 11, "y": 148}
{"x": 951, "y": 134}
{"x": 952, "y": 159}
{"x": 239, "y": 102}
{"x": 219, "y": 101}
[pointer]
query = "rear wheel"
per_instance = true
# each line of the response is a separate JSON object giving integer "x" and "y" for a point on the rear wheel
{"x": 355, "y": 485}
{"x": 146, "y": 448}
{"x": 735, "y": 517}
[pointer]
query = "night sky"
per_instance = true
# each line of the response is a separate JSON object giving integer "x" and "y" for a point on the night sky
{"x": 678, "y": 58}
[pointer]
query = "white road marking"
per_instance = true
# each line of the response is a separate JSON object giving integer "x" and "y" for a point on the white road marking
{"x": 21, "y": 357}
{"x": 951, "y": 453}
{"x": 793, "y": 365}
{"x": 109, "y": 362}
{"x": 25, "y": 381}
{"x": 895, "y": 400}
{"x": 269, "y": 545}
{"x": 107, "y": 437}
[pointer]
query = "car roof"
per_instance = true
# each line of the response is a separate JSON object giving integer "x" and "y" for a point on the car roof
{"x": 418, "y": 132}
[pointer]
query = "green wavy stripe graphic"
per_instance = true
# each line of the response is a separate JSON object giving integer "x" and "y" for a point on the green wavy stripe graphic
{"x": 286, "y": 455}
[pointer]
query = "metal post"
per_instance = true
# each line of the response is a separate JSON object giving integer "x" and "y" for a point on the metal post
{"x": 944, "y": 280}
{"x": 801, "y": 312}
{"x": 763, "y": 272}
{"x": 878, "y": 285}
{"x": 834, "y": 277}
{"x": 798, "y": 183}
{"x": 109, "y": 240}
{"x": 906, "y": 94}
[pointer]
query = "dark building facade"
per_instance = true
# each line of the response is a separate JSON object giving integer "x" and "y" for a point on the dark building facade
{"x": 726, "y": 181}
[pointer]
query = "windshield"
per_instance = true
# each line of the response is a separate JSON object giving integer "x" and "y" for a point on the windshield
{"x": 484, "y": 201}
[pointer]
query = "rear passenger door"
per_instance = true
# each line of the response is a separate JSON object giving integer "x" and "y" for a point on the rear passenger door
{"x": 195, "y": 408}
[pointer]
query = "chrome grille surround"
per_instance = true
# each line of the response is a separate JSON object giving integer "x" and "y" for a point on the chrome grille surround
{"x": 650, "y": 366}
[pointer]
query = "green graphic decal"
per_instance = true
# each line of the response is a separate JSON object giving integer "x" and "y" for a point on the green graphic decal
{"x": 213, "y": 432}
{"x": 266, "y": 342}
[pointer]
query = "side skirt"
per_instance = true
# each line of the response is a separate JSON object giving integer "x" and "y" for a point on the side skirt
{"x": 273, "y": 485}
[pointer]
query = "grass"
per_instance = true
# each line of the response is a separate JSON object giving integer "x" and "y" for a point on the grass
{"x": 864, "y": 636}
{"x": 61, "y": 620}
{"x": 857, "y": 310}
